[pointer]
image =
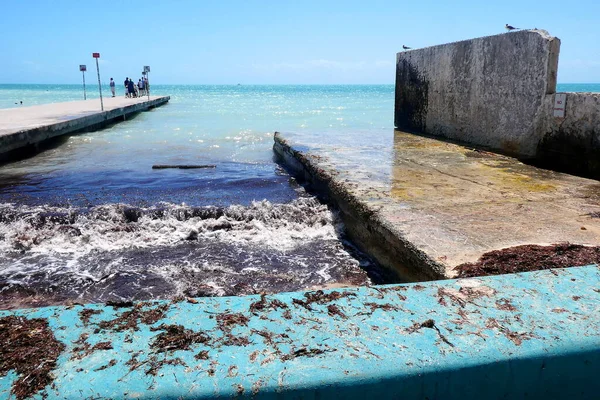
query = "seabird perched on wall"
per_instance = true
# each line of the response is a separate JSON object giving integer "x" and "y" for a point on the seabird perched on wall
{"x": 406, "y": 47}
{"x": 510, "y": 28}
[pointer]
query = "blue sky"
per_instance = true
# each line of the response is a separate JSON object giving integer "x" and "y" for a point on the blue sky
{"x": 269, "y": 42}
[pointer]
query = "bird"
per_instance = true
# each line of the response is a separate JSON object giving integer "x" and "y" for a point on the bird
{"x": 510, "y": 28}
{"x": 406, "y": 47}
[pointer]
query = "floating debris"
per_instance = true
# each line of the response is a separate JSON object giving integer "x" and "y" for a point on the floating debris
{"x": 160, "y": 166}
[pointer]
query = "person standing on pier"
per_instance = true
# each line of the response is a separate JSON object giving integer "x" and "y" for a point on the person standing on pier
{"x": 131, "y": 88}
{"x": 112, "y": 87}
{"x": 126, "y": 87}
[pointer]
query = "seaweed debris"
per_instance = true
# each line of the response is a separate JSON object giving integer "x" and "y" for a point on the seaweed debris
{"x": 28, "y": 347}
{"x": 506, "y": 305}
{"x": 176, "y": 337}
{"x": 119, "y": 304}
{"x": 263, "y": 304}
{"x": 130, "y": 319}
{"x": 431, "y": 325}
{"x": 530, "y": 258}
{"x": 155, "y": 364}
{"x": 332, "y": 310}
{"x": 384, "y": 307}
{"x": 111, "y": 363}
{"x": 87, "y": 313}
{"x": 320, "y": 297}
{"x": 227, "y": 321}
{"x": 515, "y": 337}
{"x": 303, "y": 352}
{"x": 232, "y": 340}
{"x": 84, "y": 349}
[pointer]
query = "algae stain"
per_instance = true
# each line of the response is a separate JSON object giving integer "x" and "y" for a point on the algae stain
{"x": 524, "y": 182}
{"x": 407, "y": 193}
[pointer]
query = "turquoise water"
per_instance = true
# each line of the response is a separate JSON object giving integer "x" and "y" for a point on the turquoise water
{"x": 11, "y": 95}
{"x": 578, "y": 87}
{"x": 231, "y": 126}
{"x": 89, "y": 219}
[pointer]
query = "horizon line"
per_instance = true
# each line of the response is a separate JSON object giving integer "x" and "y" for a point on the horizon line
{"x": 265, "y": 84}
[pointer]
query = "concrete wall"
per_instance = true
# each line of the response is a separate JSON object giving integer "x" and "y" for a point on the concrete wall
{"x": 572, "y": 143}
{"x": 518, "y": 336}
{"x": 488, "y": 91}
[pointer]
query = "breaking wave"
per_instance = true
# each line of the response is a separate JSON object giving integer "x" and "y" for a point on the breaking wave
{"x": 48, "y": 230}
{"x": 118, "y": 252}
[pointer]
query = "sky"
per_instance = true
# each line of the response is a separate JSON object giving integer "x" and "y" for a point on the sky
{"x": 269, "y": 42}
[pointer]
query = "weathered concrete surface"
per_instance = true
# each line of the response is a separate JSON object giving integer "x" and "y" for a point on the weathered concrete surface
{"x": 422, "y": 206}
{"x": 487, "y": 91}
{"x": 572, "y": 144}
{"x": 534, "y": 335}
{"x": 27, "y": 126}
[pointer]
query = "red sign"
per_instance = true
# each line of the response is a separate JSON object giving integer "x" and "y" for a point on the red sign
{"x": 96, "y": 55}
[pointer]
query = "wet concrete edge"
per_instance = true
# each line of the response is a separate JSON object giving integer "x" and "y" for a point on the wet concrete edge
{"x": 13, "y": 145}
{"x": 371, "y": 233}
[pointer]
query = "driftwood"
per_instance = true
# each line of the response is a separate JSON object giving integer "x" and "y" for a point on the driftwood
{"x": 183, "y": 166}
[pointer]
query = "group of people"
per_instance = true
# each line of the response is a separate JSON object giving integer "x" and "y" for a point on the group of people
{"x": 132, "y": 89}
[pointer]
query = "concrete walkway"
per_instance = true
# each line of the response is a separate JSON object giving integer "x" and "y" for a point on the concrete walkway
{"x": 21, "y": 127}
{"x": 422, "y": 206}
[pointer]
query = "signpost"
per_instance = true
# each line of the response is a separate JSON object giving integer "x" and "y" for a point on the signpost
{"x": 83, "y": 68}
{"x": 97, "y": 56}
{"x": 147, "y": 71}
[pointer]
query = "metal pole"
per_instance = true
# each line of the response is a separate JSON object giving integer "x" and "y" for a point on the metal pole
{"x": 99, "y": 85}
{"x": 84, "y": 97}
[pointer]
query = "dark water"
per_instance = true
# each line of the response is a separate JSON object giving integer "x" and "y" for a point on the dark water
{"x": 89, "y": 220}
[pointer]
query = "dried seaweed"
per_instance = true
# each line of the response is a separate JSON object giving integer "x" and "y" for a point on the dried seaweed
{"x": 227, "y": 321}
{"x": 87, "y": 313}
{"x": 530, "y": 258}
{"x": 176, "y": 337}
{"x": 263, "y": 304}
{"x": 28, "y": 347}
{"x": 130, "y": 319}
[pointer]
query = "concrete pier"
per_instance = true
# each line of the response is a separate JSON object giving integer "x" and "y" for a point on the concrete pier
{"x": 422, "y": 206}
{"x": 26, "y": 127}
{"x": 524, "y": 336}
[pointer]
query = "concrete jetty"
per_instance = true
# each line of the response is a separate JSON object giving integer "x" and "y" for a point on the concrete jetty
{"x": 422, "y": 206}
{"x": 23, "y": 128}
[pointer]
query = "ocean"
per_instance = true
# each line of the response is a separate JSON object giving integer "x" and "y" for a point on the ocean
{"x": 89, "y": 220}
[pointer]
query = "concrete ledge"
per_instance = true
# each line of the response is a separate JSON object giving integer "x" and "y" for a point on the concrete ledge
{"x": 422, "y": 206}
{"x": 533, "y": 335}
{"x": 375, "y": 235}
{"x": 29, "y": 126}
